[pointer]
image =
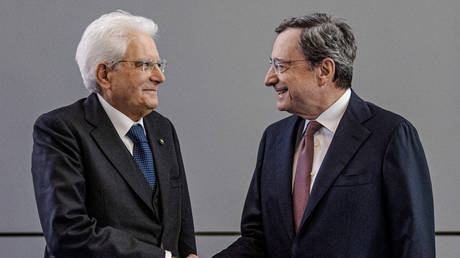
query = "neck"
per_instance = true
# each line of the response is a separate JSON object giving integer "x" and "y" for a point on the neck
{"x": 134, "y": 115}
{"x": 326, "y": 100}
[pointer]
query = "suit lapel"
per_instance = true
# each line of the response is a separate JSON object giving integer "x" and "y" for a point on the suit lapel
{"x": 106, "y": 137}
{"x": 349, "y": 136}
{"x": 159, "y": 144}
{"x": 285, "y": 149}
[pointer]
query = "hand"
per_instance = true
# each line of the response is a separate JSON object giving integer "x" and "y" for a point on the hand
{"x": 189, "y": 256}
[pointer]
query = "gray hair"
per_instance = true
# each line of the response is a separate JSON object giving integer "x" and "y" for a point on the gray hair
{"x": 322, "y": 37}
{"x": 105, "y": 40}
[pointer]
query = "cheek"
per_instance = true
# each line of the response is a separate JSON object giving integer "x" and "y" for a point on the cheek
{"x": 296, "y": 88}
{"x": 136, "y": 79}
{"x": 134, "y": 87}
{"x": 302, "y": 86}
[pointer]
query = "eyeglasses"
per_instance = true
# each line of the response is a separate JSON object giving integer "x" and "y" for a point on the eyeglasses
{"x": 282, "y": 66}
{"x": 145, "y": 66}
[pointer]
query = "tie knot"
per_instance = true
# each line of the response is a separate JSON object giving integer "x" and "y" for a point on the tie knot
{"x": 136, "y": 134}
{"x": 312, "y": 127}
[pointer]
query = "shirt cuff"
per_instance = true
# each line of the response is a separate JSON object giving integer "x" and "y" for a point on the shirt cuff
{"x": 167, "y": 254}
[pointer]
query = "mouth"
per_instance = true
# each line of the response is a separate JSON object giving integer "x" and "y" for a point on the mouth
{"x": 281, "y": 91}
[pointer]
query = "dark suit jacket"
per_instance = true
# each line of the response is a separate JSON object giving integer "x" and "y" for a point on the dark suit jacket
{"x": 372, "y": 196}
{"x": 93, "y": 200}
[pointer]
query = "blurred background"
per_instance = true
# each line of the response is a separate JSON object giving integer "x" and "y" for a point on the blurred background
{"x": 217, "y": 54}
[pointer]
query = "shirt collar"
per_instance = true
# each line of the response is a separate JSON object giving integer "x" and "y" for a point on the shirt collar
{"x": 331, "y": 117}
{"x": 120, "y": 121}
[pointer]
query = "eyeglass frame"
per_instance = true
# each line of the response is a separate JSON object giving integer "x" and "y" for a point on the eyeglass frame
{"x": 276, "y": 63}
{"x": 161, "y": 65}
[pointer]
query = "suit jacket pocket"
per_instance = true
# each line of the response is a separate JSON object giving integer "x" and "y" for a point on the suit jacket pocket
{"x": 353, "y": 179}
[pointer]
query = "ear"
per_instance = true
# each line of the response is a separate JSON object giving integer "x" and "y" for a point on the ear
{"x": 102, "y": 75}
{"x": 326, "y": 71}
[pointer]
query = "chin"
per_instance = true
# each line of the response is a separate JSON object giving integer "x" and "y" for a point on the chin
{"x": 152, "y": 105}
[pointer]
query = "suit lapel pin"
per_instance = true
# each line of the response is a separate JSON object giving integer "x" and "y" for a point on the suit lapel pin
{"x": 161, "y": 141}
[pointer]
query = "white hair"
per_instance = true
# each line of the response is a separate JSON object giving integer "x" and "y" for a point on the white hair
{"x": 105, "y": 40}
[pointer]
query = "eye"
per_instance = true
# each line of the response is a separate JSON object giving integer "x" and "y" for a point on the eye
{"x": 149, "y": 65}
{"x": 281, "y": 65}
{"x": 277, "y": 63}
{"x": 139, "y": 64}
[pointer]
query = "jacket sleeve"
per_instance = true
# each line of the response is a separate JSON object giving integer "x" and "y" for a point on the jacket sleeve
{"x": 187, "y": 243}
{"x": 252, "y": 240}
{"x": 59, "y": 182}
{"x": 408, "y": 195}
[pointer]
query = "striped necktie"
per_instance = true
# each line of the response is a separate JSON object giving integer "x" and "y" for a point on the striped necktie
{"x": 303, "y": 173}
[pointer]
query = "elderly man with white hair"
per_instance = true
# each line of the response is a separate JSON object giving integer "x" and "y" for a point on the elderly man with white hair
{"x": 107, "y": 170}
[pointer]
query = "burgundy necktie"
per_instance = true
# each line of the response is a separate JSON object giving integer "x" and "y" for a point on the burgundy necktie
{"x": 302, "y": 174}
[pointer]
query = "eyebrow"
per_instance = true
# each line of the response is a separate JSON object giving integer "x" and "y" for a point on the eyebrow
{"x": 146, "y": 59}
{"x": 279, "y": 60}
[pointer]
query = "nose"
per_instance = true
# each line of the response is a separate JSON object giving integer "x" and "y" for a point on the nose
{"x": 157, "y": 76}
{"x": 271, "y": 78}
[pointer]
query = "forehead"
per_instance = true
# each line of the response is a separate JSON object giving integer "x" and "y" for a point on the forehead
{"x": 286, "y": 45}
{"x": 141, "y": 46}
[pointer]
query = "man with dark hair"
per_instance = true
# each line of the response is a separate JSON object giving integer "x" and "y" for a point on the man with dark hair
{"x": 341, "y": 177}
{"x": 107, "y": 170}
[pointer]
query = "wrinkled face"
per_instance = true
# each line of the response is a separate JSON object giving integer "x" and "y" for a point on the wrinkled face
{"x": 297, "y": 87}
{"x": 133, "y": 91}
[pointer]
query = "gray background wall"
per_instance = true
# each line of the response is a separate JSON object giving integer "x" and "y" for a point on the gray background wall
{"x": 217, "y": 53}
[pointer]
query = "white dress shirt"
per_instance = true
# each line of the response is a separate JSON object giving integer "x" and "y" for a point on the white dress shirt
{"x": 329, "y": 119}
{"x": 122, "y": 124}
